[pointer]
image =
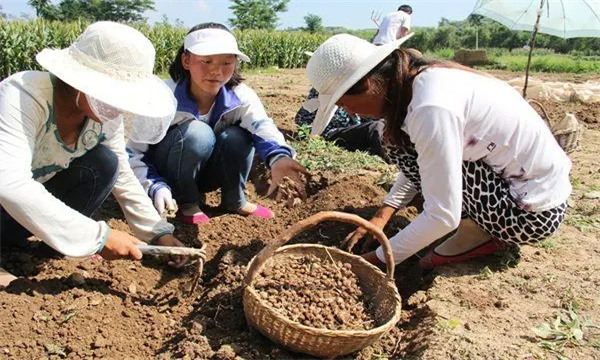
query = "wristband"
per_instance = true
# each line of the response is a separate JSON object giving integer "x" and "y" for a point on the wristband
{"x": 276, "y": 157}
{"x": 155, "y": 187}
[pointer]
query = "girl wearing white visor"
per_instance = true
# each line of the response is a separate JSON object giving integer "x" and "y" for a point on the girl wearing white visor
{"x": 62, "y": 146}
{"x": 220, "y": 123}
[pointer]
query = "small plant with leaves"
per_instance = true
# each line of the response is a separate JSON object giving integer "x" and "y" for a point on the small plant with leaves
{"x": 486, "y": 273}
{"x": 448, "y": 324}
{"x": 53, "y": 349}
{"x": 566, "y": 330}
{"x": 68, "y": 316}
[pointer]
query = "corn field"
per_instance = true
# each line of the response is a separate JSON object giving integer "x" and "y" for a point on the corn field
{"x": 22, "y": 40}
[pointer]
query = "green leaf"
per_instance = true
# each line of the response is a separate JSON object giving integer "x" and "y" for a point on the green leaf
{"x": 544, "y": 331}
{"x": 68, "y": 316}
{"x": 54, "y": 349}
{"x": 557, "y": 322}
{"x": 578, "y": 334}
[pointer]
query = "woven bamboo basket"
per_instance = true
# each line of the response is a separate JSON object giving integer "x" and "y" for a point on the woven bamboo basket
{"x": 567, "y": 138}
{"x": 385, "y": 300}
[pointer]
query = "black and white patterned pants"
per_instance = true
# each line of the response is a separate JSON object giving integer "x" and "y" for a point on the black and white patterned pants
{"x": 487, "y": 201}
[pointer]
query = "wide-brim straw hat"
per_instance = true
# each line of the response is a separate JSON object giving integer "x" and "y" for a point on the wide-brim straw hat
{"x": 339, "y": 63}
{"x": 113, "y": 63}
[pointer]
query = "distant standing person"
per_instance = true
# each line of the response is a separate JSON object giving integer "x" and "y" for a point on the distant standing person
{"x": 394, "y": 25}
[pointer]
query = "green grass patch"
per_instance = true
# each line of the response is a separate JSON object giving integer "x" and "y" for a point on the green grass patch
{"x": 547, "y": 244}
{"x": 317, "y": 154}
{"x": 594, "y": 187}
{"x": 547, "y": 63}
{"x": 586, "y": 216}
{"x": 448, "y": 324}
{"x": 447, "y": 54}
{"x": 542, "y": 60}
{"x": 583, "y": 223}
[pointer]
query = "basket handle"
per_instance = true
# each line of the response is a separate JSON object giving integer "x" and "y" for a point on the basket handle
{"x": 312, "y": 221}
{"x": 546, "y": 117}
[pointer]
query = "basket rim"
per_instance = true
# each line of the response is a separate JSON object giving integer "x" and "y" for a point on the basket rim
{"x": 324, "y": 331}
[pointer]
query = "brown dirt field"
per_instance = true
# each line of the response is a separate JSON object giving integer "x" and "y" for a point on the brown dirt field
{"x": 483, "y": 309}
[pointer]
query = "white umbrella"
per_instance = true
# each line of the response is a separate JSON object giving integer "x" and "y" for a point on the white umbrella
{"x": 563, "y": 18}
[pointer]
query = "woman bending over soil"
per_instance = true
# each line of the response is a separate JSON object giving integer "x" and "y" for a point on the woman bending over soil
{"x": 483, "y": 159}
{"x": 63, "y": 150}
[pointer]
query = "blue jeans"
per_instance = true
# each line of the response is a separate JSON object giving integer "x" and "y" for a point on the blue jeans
{"x": 83, "y": 186}
{"x": 195, "y": 160}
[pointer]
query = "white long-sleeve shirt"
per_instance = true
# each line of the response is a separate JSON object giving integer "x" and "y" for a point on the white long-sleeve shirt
{"x": 390, "y": 27}
{"x": 457, "y": 116}
{"x": 32, "y": 152}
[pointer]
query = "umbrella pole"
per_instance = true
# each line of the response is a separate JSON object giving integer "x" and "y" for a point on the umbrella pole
{"x": 535, "y": 30}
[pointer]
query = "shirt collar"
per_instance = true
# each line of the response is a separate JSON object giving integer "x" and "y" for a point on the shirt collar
{"x": 225, "y": 101}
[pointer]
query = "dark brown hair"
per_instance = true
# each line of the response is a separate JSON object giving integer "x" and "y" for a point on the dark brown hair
{"x": 178, "y": 73}
{"x": 394, "y": 78}
{"x": 406, "y": 8}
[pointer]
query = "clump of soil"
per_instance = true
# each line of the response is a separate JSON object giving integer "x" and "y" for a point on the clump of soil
{"x": 289, "y": 193}
{"x": 317, "y": 293}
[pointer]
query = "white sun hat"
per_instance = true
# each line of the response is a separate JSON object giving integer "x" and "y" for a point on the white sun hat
{"x": 339, "y": 63}
{"x": 112, "y": 63}
{"x": 206, "y": 42}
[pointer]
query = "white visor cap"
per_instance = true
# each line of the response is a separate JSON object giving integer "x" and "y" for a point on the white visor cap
{"x": 205, "y": 42}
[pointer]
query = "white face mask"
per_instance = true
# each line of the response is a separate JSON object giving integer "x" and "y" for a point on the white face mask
{"x": 142, "y": 129}
{"x": 110, "y": 117}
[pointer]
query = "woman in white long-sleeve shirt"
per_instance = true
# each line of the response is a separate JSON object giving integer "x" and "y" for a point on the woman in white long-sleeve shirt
{"x": 483, "y": 159}
{"x": 62, "y": 147}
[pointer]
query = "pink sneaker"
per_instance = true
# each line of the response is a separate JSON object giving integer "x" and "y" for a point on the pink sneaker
{"x": 197, "y": 218}
{"x": 263, "y": 212}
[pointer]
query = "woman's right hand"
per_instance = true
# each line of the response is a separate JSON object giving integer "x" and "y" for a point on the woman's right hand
{"x": 379, "y": 220}
{"x": 354, "y": 237}
{"x": 121, "y": 245}
{"x": 163, "y": 200}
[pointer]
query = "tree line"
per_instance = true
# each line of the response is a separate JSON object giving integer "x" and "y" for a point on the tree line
{"x": 474, "y": 32}
{"x": 479, "y": 31}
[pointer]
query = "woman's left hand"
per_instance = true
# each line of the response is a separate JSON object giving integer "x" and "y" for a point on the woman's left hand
{"x": 287, "y": 167}
{"x": 176, "y": 261}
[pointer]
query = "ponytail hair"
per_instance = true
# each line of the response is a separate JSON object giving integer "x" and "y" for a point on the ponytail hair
{"x": 178, "y": 73}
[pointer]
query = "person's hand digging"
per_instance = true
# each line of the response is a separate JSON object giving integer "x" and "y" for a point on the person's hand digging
{"x": 380, "y": 219}
{"x": 121, "y": 245}
{"x": 163, "y": 200}
{"x": 290, "y": 168}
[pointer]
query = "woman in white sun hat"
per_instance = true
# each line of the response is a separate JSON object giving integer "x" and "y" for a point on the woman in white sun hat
{"x": 219, "y": 124}
{"x": 62, "y": 146}
{"x": 468, "y": 142}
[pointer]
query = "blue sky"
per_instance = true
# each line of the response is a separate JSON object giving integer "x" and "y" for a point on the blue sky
{"x": 351, "y": 14}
